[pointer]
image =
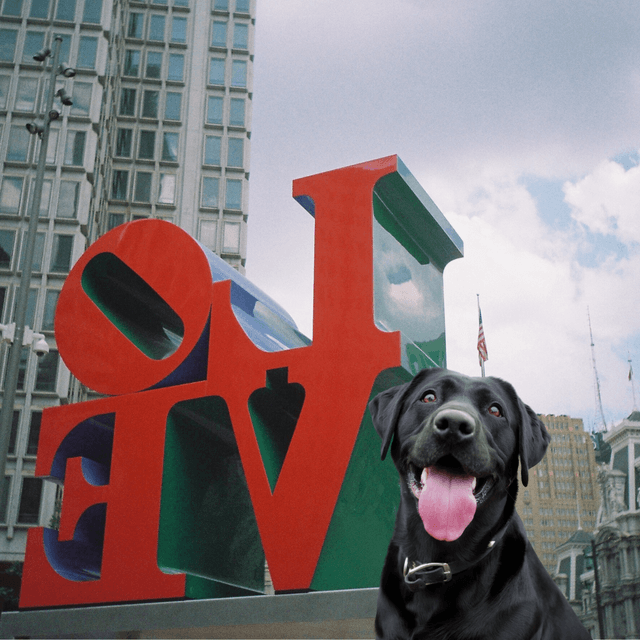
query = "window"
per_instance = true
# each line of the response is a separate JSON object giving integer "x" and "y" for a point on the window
{"x": 18, "y": 147}
{"x": 219, "y": 34}
{"x": 173, "y": 106}
{"x": 32, "y": 299}
{"x": 143, "y": 187}
{"x": 44, "y": 200}
{"x": 22, "y": 369}
{"x": 235, "y": 157}
{"x": 214, "y": 110}
{"x": 26, "y": 93}
{"x": 52, "y": 146}
{"x": 233, "y": 199}
{"x": 123, "y": 142}
{"x": 81, "y": 99}
{"x": 147, "y": 145}
{"x": 136, "y": 25}
{"x": 178, "y": 29}
{"x": 170, "y": 146}
{"x": 128, "y": 102}
{"x": 240, "y": 36}
{"x": 231, "y": 237}
{"x": 12, "y": 7}
{"x": 119, "y": 185}
{"x": 212, "y": 146}
{"x": 221, "y": 5}
{"x": 36, "y": 264}
{"x": 180, "y": 3}
{"x": 210, "y": 188}
{"x": 11, "y": 194}
{"x": 39, "y": 9}
{"x": 8, "y": 39}
{"x": 50, "y": 303}
{"x": 92, "y": 11}
{"x": 154, "y": 64}
{"x": 74, "y": 152}
{"x": 167, "y": 188}
{"x": 65, "y": 48}
{"x": 4, "y": 90}
{"x": 150, "y": 104}
{"x": 34, "y": 433}
{"x": 3, "y": 295}
{"x": 68, "y": 199}
{"x": 13, "y": 436}
{"x": 115, "y": 220}
{"x": 4, "y": 498}
{"x": 216, "y": 71}
{"x": 131, "y": 63}
{"x": 61, "y": 253}
{"x": 238, "y": 73}
{"x": 33, "y": 42}
{"x": 236, "y": 112}
{"x": 209, "y": 233}
{"x": 7, "y": 246}
{"x": 156, "y": 27}
{"x": 66, "y": 10}
{"x": 176, "y": 67}
{"x": 29, "y": 511}
{"x": 242, "y": 6}
{"x": 87, "y": 52}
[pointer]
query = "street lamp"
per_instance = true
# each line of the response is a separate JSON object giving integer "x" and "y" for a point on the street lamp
{"x": 19, "y": 331}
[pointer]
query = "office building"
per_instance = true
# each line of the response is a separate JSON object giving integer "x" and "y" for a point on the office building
{"x": 159, "y": 127}
{"x": 562, "y": 495}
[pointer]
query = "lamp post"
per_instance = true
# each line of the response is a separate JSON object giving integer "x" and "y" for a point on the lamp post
{"x": 19, "y": 334}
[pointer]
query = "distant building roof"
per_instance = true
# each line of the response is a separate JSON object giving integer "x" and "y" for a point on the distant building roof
{"x": 634, "y": 417}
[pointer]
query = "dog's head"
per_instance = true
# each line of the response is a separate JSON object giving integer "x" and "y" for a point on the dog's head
{"x": 457, "y": 440}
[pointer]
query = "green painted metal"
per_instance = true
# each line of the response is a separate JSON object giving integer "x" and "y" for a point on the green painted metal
{"x": 133, "y": 306}
{"x": 207, "y": 525}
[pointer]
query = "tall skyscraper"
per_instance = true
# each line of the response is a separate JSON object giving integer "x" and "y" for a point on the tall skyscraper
{"x": 160, "y": 127}
{"x": 562, "y": 495}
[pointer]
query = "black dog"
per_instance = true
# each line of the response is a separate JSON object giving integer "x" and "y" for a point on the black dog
{"x": 459, "y": 564}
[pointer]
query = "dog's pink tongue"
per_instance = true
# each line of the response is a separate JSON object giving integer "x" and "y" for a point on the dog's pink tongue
{"x": 446, "y": 504}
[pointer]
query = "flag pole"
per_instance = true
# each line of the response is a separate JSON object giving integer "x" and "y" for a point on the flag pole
{"x": 633, "y": 386}
{"x": 482, "y": 344}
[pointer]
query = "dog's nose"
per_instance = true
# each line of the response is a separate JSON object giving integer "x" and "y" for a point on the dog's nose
{"x": 454, "y": 425}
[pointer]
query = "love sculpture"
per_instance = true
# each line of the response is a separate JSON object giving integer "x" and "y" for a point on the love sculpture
{"x": 229, "y": 438}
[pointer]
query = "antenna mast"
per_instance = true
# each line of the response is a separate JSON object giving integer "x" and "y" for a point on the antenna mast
{"x": 599, "y": 408}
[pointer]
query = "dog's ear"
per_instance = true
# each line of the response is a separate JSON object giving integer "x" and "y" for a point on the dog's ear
{"x": 534, "y": 440}
{"x": 385, "y": 411}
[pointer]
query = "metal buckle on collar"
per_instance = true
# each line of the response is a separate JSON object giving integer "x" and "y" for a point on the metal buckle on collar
{"x": 419, "y": 576}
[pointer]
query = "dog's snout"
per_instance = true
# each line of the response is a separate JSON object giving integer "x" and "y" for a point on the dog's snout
{"x": 454, "y": 425}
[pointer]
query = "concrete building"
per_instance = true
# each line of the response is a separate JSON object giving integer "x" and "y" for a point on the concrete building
{"x": 562, "y": 495}
{"x": 160, "y": 127}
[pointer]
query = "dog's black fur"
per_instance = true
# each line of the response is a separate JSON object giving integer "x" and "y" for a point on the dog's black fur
{"x": 506, "y": 595}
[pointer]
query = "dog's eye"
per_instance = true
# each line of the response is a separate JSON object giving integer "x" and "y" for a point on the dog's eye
{"x": 430, "y": 396}
{"x": 495, "y": 410}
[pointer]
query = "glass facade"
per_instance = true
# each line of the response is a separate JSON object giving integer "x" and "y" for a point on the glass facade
{"x": 159, "y": 127}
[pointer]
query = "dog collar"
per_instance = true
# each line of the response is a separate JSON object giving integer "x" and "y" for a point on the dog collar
{"x": 420, "y": 576}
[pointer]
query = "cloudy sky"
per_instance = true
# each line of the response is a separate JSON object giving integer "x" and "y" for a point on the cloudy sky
{"x": 521, "y": 120}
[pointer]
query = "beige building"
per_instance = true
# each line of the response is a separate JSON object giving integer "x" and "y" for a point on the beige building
{"x": 160, "y": 127}
{"x": 562, "y": 495}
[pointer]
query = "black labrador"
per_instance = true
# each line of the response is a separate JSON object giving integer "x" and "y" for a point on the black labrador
{"x": 459, "y": 564}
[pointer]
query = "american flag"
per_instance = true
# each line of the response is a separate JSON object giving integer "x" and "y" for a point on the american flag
{"x": 482, "y": 343}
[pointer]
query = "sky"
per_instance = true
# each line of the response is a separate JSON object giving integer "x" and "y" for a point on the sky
{"x": 521, "y": 120}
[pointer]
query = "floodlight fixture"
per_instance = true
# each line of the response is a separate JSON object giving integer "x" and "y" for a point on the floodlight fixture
{"x": 65, "y": 98}
{"x": 35, "y": 128}
{"x": 53, "y": 115}
{"x": 42, "y": 55}
{"x": 65, "y": 70}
